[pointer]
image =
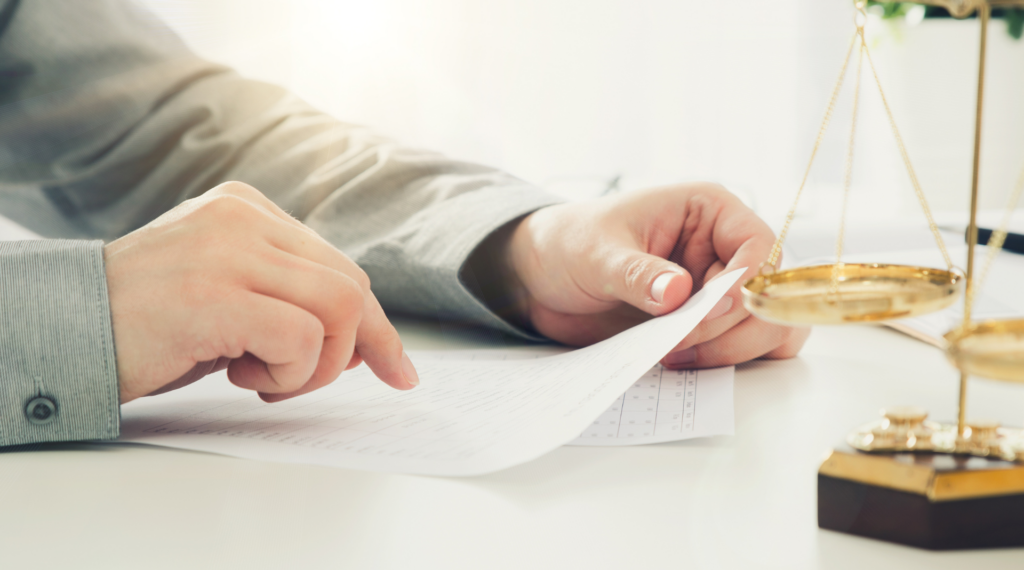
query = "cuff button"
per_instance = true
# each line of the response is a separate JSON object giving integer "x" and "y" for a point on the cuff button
{"x": 40, "y": 411}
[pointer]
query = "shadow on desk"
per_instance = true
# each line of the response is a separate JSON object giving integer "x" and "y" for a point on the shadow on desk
{"x": 88, "y": 446}
{"x": 436, "y": 334}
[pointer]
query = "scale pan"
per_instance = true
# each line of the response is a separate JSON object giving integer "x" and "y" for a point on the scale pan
{"x": 992, "y": 349}
{"x": 867, "y": 293}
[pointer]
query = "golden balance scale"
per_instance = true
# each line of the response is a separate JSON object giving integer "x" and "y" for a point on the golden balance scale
{"x": 903, "y": 478}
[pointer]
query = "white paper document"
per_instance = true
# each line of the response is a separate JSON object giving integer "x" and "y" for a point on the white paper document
{"x": 663, "y": 405}
{"x": 465, "y": 418}
{"x": 666, "y": 405}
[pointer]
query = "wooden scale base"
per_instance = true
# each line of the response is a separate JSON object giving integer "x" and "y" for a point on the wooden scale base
{"x": 933, "y": 501}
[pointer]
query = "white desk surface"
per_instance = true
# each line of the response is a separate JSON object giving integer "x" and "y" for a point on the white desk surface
{"x": 746, "y": 501}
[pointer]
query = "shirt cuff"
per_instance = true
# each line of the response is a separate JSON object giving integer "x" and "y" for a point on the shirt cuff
{"x": 58, "y": 372}
{"x": 423, "y": 273}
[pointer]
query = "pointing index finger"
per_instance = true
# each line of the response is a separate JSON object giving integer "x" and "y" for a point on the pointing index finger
{"x": 377, "y": 341}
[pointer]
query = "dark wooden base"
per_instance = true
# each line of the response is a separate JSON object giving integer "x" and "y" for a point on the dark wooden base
{"x": 911, "y": 519}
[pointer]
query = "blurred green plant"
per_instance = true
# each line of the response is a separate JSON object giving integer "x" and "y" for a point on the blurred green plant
{"x": 1014, "y": 17}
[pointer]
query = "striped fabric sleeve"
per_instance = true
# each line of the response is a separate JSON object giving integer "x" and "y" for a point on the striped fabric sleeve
{"x": 58, "y": 374}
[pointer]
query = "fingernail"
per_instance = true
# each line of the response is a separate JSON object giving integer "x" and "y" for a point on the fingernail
{"x": 721, "y": 307}
{"x": 409, "y": 371}
{"x": 681, "y": 357}
{"x": 660, "y": 285}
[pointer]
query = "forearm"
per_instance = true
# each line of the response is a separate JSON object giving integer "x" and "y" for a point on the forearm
{"x": 410, "y": 218}
{"x": 102, "y": 153}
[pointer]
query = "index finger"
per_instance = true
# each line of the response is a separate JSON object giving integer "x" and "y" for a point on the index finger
{"x": 742, "y": 239}
{"x": 726, "y": 314}
{"x": 377, "y": 341}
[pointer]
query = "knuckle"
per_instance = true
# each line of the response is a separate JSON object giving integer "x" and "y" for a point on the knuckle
{"x": 215, "y": 342}
{"x": 236, "y": 188}
{"x": 361, "y": 279}
{"x": 308, "y": 331}
{"x": 210, "y": 350}
{"x": 224, "y": 206}
{"x": 189, "y": 204}
{"x": 286, "y": 264}
{"x": 635, "y": 273}
{"x": 233, "y": 214}
{"x": 349, "y": 298}
{"x": 715, "y": 187}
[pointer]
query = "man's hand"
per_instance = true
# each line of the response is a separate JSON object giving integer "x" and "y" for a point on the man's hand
{"x": 229, "y": 280}
{"x": 589, "y": 270}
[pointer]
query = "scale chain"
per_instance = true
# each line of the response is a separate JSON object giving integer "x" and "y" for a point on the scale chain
{"x": 837, "y": 268}
{"x": 995, "y": 242}
{"x": 773, "y": 257}
{"x": 906, "y": 162}
{"x": 776, "y": 251}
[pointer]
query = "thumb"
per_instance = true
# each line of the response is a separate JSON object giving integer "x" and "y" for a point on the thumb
{"x": 654, "y": 285}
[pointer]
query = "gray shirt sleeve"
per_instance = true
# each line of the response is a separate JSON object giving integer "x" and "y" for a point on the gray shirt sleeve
{"x": 58, "y": 375}
{"x": 107, "y": 120}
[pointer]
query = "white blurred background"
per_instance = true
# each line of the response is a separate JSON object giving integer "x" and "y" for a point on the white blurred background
{"x": 574, "y": 94}
{"x": 571, "y": 94}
